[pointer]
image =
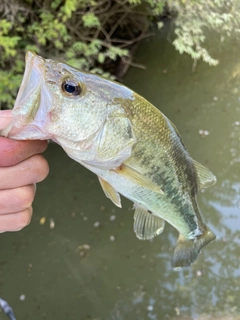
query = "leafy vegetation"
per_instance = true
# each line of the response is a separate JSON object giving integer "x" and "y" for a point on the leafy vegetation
{"x": 100, "y": 35}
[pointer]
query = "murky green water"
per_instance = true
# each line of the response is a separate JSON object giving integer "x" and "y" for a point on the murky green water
{"x": 79, "y": 270}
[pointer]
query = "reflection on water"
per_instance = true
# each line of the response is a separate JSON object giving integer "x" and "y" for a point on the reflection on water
{"x": 90, "y": 265}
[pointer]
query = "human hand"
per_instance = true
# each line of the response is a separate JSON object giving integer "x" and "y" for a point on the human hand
{"x": 21, "y": 167}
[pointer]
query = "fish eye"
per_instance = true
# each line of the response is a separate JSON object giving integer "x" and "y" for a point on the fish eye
{"x": 71, "y": 87}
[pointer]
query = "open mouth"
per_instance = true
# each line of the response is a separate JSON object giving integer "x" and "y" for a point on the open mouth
{"x": 28, "y": 99}
{"x": 31, "y": 82}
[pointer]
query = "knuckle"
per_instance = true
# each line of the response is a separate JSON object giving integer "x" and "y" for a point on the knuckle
{"x": 41, "y": 168}
{"x": 24, "y": 218}
{"x": 25, "y": 196}
{"x": 43, "y": 145}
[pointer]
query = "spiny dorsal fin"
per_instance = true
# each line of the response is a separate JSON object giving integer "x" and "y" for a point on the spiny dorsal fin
{"x": 146, "y": 225}
{"x": 110, "y": 192}
{"x": 137, "y": 178}
{"x": 205, "y": 177}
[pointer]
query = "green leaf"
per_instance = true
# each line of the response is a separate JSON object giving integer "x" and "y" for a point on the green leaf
{"x": 90, "y": 20}
{"x": 101, "y": 57}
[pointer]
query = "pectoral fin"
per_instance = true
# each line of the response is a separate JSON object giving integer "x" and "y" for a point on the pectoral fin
{"x": 137, "y": 178}
{"x": 146, "y": 225}
{"x": 205, "y": 177}
{"x": 110, "y": 192}
{"x": 115, "y": 141}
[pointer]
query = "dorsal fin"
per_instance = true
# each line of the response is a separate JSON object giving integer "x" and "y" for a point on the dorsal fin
{"x": 110, "y": 192}
{"x": 205, "y": 177}
{"x": 146, "y": 225}
{"x": 137, "y": 178}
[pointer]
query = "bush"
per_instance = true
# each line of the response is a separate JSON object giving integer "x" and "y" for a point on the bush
{"x": 194, "y": 17}
{"x": 91, "y": 34}
{"x": 87, "y": 34}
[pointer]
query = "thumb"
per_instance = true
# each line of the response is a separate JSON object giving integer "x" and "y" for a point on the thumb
{"x": 5, "y": 118}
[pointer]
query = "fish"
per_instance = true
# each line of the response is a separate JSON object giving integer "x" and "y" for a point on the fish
{"x": 133, "y": 148}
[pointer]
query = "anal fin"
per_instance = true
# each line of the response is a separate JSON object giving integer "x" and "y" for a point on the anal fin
{"x": 137, "y": 178}
{"x": 146, "y": 225}
{"x": 110, "y": 192}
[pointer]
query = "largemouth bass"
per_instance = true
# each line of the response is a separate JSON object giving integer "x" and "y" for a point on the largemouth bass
{"x": 132, "y": 147}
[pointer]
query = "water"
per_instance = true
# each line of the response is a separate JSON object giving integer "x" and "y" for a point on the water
{"x": 85, "y": 262}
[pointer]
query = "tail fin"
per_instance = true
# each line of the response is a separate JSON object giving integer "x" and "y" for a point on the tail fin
{"x": 186, "y": 250}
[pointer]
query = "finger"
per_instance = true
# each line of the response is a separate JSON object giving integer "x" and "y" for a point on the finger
{"x": 15, "y": 221}
{"x": 18, "y": 199}
{"x": 29, "y": 171}
{"x": 13, "y": 152}
{"x": 5, "y": 118}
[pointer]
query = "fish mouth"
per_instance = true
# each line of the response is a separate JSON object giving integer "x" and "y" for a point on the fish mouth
{"x": 31, "y": 79}
{"x": 25, "y": 122}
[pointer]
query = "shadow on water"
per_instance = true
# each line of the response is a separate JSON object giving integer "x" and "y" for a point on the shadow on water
{"x": 84, "y": 262}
